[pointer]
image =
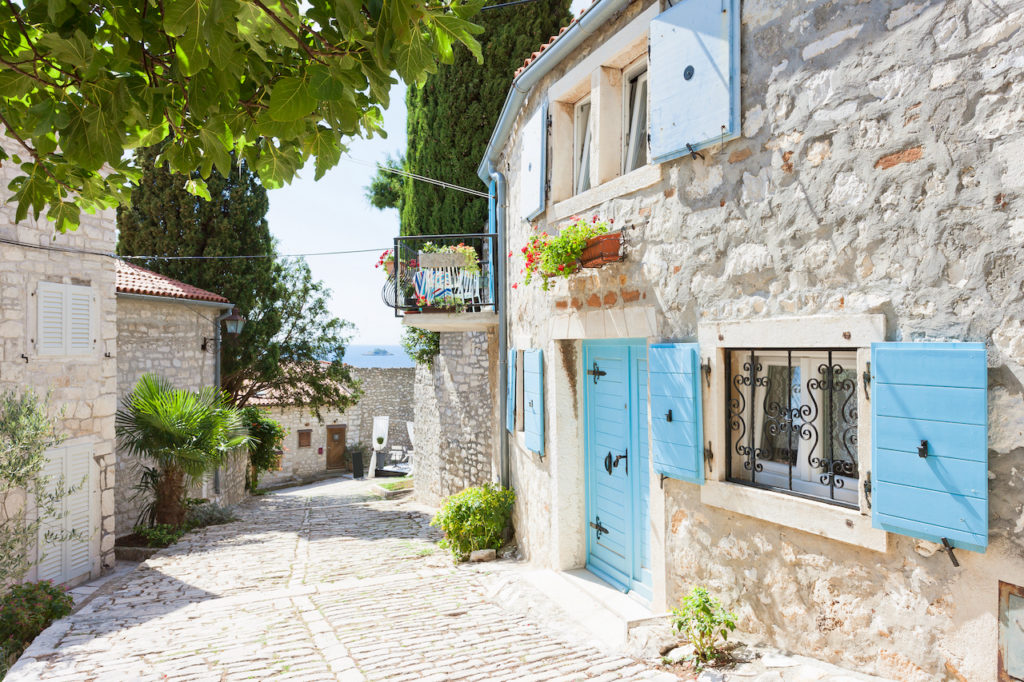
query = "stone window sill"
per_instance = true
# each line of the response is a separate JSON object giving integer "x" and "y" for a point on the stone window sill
{"x": 617, "y": 187}
{"x": 818, "y": 518}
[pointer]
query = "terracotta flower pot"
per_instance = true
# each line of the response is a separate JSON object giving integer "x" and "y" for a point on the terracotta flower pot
{"x": 389, "y": 267}
{"x": 604, "y": 248}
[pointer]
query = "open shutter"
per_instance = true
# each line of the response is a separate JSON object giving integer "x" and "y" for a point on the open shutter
{"x": 677, "y": 429}
{"x": 79, "y": 508}
{"x": 51, "y": 328}
{"x": 510, "y": 392}
{"x": 79, "y": 320}
{"x": 531, "y": 164}
{"x": 929, "y": 441}
{"x": 533, "y": 395}
{"x": 50, "y": 565}
{"x": 693, "y": 76}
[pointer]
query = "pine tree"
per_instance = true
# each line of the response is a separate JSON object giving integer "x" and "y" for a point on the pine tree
{"x": 289, "y": 329}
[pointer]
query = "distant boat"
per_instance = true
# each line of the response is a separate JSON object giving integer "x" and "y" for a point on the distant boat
{"x": 378, "y": 351}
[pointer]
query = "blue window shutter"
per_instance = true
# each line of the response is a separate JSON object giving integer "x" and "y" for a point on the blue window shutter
{"x": 510, "y": 392}
{"x": 699, "y": 38}
{"x": 677, "y": 442}
{"x": 934, "y": 392}
{"x": 492, "y": 207}
{"x": 531, "y": 164}
{"x": 533, "y": 397}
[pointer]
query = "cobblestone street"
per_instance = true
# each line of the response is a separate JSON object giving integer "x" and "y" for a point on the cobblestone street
{"x": 318, "y": 583}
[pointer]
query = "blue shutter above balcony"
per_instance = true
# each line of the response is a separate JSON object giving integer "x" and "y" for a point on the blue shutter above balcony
{"x": 510, "y": 392}
{"x": 533, "y": 397}
{"x": 533, "y": 156}
{"x": 938, "y": 393}
{"x": 677, "y": 429}
{"x": 694, "y": 77}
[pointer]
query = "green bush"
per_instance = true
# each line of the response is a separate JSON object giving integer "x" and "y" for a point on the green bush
{"x": 26, "y": 611}
{"x": 160, "y": 534}
{"x": 474, "y": 519}
{"x": 421, "y": 345}
{"x": 703, "y": 620}
{"x": 208, "y": 514}
{"x": 265, "y": 448}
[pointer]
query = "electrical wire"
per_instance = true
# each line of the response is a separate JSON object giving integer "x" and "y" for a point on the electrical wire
{"x": 421, "y": 178}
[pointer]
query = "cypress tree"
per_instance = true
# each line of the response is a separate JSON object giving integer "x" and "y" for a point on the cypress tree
{"x": 288, "y": 329}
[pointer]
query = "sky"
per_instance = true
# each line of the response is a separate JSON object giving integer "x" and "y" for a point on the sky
{"x": 331, "y": 214}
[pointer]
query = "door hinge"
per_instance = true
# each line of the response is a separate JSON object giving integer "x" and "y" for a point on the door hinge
{"x": 709, "y": 456}
{"x": 867, "y": 381}
{"x": 867, "y": 488}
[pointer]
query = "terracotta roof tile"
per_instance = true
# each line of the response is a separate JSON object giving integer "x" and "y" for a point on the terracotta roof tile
{"x": 132, "y": 279}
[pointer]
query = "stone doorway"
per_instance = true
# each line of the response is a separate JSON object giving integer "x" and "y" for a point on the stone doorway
{"x": 336, "y": 457}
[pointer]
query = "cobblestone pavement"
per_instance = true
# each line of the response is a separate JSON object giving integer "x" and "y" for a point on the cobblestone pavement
{"x": 324, "y": 582}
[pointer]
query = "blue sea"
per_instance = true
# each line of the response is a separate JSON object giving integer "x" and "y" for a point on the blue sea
{"x": 371, "y": 356}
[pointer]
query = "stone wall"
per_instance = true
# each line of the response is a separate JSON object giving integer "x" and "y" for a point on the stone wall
{"x": 298, "y": 463}
{"x": 456, "y": 414}
{"x": 163, "y": 338}
{"x": 83, "y": 386}
{"x": 877, "y": 172}
{"x": 387, "y": 391}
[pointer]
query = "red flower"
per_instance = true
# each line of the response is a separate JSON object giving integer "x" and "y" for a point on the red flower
{"x": 516, "y": 285}
{"x": 561, "y": 267}
{"x": 509, "y": 254}
{"x": 525, "y": 249}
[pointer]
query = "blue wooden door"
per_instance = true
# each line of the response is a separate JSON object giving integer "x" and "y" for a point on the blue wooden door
{"x": 616, "y": 468}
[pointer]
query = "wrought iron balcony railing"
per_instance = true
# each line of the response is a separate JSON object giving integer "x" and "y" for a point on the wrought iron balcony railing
{"x": 451, "y": 273}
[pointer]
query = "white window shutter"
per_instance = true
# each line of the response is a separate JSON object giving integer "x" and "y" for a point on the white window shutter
{"x": 79, "y": 320}
{"x": 693, "y": 76}
{"x": 51, "y": 330}
{"x": 532, "y": 164}
{"x": 50, "y": 555}
{"x": 79, "y": 510}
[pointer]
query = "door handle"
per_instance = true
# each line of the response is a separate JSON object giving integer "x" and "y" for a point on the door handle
{"x": 922, "y": 449}
{"x": 608, "y": 463}
{"x": 617, "y": 458}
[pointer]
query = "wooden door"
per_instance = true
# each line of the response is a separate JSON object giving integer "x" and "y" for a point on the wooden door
{"x": 336, "y": 458}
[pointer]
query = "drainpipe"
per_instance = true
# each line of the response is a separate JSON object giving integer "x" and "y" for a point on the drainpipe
{"x": 216, "y": 377}
{"x": 501, "y": 289}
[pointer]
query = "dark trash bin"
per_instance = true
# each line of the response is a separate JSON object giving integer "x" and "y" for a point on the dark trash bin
{"x": 357, "y": 465}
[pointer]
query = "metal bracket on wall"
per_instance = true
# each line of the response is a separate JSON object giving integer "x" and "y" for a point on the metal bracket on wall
{"x": 949, "y": 550}
{"x": 709, "y": 456}
{"x": 867, "y": 488}
{"x": 661, "y": 483}
{"x": 867, "y": 381}
{"x": 705, "y": 368}
{"x": 693, "y": 152}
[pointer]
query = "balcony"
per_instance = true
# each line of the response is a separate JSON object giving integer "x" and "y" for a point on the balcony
{"x": 444, "y": 283}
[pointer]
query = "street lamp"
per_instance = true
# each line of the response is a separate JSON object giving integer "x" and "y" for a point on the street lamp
{"x": 234, "y": 322}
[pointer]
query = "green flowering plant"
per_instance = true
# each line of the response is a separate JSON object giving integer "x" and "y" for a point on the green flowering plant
{"x": 474, "y": 519}
{"x": 550, "y": 256}
{"x": 25, "y": 611}
{"x": 703, "y": 620}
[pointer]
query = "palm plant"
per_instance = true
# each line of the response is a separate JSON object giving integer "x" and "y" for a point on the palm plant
{"x": 185, "y": 434}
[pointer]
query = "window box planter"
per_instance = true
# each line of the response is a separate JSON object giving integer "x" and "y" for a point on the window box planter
{"x": 602, "y": 249}
{"x": 443, "y": 260}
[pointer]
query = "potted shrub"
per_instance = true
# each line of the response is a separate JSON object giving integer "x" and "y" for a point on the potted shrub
{"x": 387, "y": 261}
{"x": 559, "y": 256}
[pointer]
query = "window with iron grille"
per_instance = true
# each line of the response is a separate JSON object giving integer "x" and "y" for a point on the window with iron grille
{"x": 792, "y": 423}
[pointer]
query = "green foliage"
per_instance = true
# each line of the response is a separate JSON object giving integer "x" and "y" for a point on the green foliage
{"x": 474, "y": 519}
{"x": 25, "y": 611}
{"x": 703, "y": 620}
{"x": 265, "y": 449}
{"x": 208, "y": 514}
{"x": 185, "y": 434}
{"x": 288, "y": 329}
{"x": 451, "y": 116}
{"x": 277, "y": 83}
{"x": 26, "y": 432}
{"x": 421, "y": 345}
{"x": 398, "y": 484}
{"x": 559, "y": 256}
{"x": 387, "y": 190}
{"x": 160, "y": 534}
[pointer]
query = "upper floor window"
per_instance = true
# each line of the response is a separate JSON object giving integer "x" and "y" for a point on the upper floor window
{"x": 305, "y": 437}
{"x": 581, "y": 146}
{"x": 63, "y": 319}
{"x": 634, "y": 139}
{"x": 792, "y": 422}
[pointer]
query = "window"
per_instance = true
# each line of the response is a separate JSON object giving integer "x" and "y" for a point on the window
{"x": 634, "y": 152}
{"x": 792, "y": 423}
{"x": 581, "y": 146}
{"x": 305, "y": 437}
{"x": 63, "y": 319}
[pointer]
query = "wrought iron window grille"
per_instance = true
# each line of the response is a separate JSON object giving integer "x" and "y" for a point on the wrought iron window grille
{"x": 792, "y": 422}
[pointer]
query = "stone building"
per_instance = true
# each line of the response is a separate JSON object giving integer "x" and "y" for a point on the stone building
{"x": 316, "y": 446}
{"x": 168, "y": 328}
{"x": 58, "y": 337}
{"x": 801, "y": 386}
